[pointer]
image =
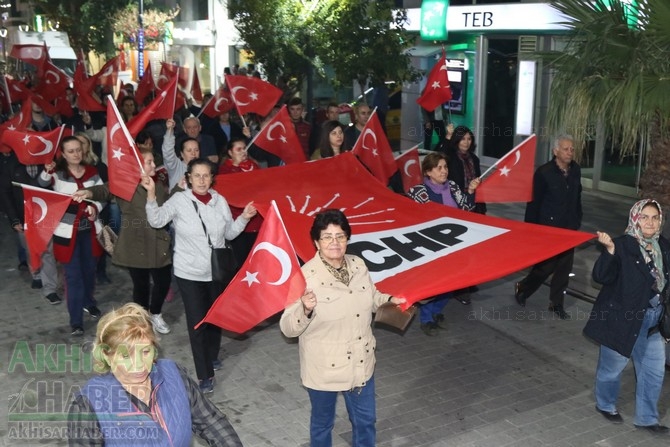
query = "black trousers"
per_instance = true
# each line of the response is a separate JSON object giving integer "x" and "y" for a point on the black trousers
{"x": 560, "y": 266}
{"x": 143, "y": 294}
{"x": 198, "y": 297}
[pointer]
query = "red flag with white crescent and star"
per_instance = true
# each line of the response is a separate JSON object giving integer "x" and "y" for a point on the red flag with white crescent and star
{"x": 33, "y": 148}
{"x": 279, "y": 137}
{"x": 269, "y": 279}
{"x": 84, "y": 88}
{"x": 108, "y": 74}
{"x": 512, "y": 179}
{"x": 406, "y": 245}
{"x": 30, "y": 53}
{"x": 437, "y": 90}
{"x": 252, "y": 95}
{"x": 162, "y": 107}
{"x": 409, "y": 166}
{"x": 43, "y": 210}
{"x": 19, "y": 121}
{"x": 220, "y": 103}
{"x": 145, "y": 87}
{"x": 373, "y": 149}
{"x": 123, "y": 158}
{"x": 53, "y": 81}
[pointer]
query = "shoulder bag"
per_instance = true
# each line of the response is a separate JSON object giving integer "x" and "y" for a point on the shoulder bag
{"x": 224, "y": 263}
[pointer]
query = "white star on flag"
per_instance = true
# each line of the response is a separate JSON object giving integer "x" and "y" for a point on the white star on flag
{"x": 118, "y": 153}
{"x": 375, "y": 153}
{"x": 253, "y": 96}
{"x": 283, "y": 139}
{"x": 26, "y": 139}
{"x": 505, "y": 171}
{"x": 250, "y": 278}
{"x": 436, "y": 84}
{"x": 11, "y": 127}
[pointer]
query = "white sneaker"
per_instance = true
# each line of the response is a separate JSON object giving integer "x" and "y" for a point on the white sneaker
{"x": 160, "y": 325}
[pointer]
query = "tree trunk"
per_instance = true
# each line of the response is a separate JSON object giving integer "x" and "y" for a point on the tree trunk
{"x": 655, "y": 180}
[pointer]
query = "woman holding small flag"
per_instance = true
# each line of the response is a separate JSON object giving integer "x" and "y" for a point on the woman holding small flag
{"x": 74, "y": 240}
{"x": 437, "y": 188}
{"x": 333, "y": 322}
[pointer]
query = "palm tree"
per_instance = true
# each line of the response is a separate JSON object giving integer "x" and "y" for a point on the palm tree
{"x": 615, "y": 71}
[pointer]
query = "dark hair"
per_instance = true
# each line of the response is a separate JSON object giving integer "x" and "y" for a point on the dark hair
{"x": 61, "y": 163}
{"x": 295, "y": 101}
{"x": 431, "y": 161}
{"x": 333, "y": 104}
{"x": 327, "y": 217}
{"x": 459, "y": 133}
{"x": 232, "y": 142}
{"x": 184, "y": 141}
{"x": 324, "y": 141}
{"x": 200, "y": 162}
{"x": 143, "y": 136}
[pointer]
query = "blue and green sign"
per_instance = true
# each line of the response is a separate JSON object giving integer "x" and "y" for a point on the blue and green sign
{"x": 434, "y": 19}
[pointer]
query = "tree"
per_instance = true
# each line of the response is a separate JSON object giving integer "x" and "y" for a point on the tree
{"x": 615, "y": 71}
{"x": 294, "y": 38}
{"x": 87, "y": 22}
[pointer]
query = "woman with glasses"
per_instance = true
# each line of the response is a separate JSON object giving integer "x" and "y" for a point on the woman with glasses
{"x": 202, "y": 220}
{"x": 333, "y": 322}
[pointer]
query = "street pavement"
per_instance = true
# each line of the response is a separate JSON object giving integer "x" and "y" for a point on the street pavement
{"x": 500, "y": 375}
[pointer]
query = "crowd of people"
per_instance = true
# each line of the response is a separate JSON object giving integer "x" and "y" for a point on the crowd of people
{"x": 173, "y": 220}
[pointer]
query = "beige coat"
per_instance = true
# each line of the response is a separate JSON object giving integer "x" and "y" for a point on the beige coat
{"x": 337, "y": 348}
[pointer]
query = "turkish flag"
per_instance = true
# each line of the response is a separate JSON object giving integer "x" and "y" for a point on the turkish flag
{"x": 220, "y": 103}
{"x": 252, "y": 95}
{"x": 20, "y": 121}
{"x": 437, "y": 90}
{"x": 410, "y": 168}
{"x": 108, "y": 74}
{"x": 46, "y": 106}
{"x": 512, "y": 180}
{"x": 33, "y": 148}
{"x": 83, "y": 87}
{"x": 406, "y": 245}
{"x": 162, "y": 107}
{"x": 278, "y": 137}
{"x": 53, "y": 82}
{"x": 168, "y": 71}
{"x": 123, "y": 159}
{"x": 374, "y": 150}
{"x": 63, "y": 105}
{"x": 145, "y": 87}
{"x": 196, "y": 91}
{"x": 30, "y": 53}
{"x": 18, "y": 92}
{"x": 43, "y": 210}
{"x": 269, "y": 279}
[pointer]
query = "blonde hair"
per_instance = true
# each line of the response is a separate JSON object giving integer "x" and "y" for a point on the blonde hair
{"x": 122, "y": 327}
{"x": 89, "y": 156}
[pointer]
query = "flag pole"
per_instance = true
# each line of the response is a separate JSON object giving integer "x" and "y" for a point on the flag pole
{"x": 416, "y": 146}
{"x": 60, "y": 136}
{"x": 37, "y": 188}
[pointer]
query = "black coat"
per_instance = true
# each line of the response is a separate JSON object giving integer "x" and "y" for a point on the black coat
{"x": 457, "y": 174}
{"x": 11, "y": 197}
{"x": 557, "y": 200}
{"x": 618, "y": 312}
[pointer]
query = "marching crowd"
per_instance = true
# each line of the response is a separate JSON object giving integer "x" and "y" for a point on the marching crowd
{"x": 174, "y": 219}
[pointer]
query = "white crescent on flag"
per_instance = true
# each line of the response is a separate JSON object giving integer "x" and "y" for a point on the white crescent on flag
{"x": 33, "y": 53}
{"x": 55, "y": 75}
{"x": 282, "y": 257}
{"x": 219, "y": 101}
{"x": 48, "y": 147}
{"x": 274, "y": 126}
{"x": 43, "y": 208}
{"x": 408, "y": 163}
{"x": 374, "y": 138}
{"x": 233, "y": 92}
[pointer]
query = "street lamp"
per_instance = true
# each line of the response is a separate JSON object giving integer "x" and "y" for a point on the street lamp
{"x": 140, "y": 42}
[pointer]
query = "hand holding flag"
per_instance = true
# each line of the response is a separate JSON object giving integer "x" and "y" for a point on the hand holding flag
{"x": 269, "y": 279}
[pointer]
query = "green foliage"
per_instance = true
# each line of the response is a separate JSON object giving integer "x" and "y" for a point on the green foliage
{"x": 87, "y": 22}
{"x": 611, "y": 71}
{"x": 293, "y": 37}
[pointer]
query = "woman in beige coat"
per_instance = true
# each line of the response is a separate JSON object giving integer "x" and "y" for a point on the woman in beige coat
{"x": 333, "y": 322}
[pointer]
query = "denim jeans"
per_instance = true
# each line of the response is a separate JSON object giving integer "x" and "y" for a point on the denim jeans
{"x": 361, "y": 407}
{"x": 80, "y": 278}
{"x": 649, "y": 359}
{"x": 434, "y": 306}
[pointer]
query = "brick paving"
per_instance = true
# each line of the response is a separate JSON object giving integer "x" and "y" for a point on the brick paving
{"x": 499, "y": 375}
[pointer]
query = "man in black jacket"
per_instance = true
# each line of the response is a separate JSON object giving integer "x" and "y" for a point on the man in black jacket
{"x": 557, "y": 202}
